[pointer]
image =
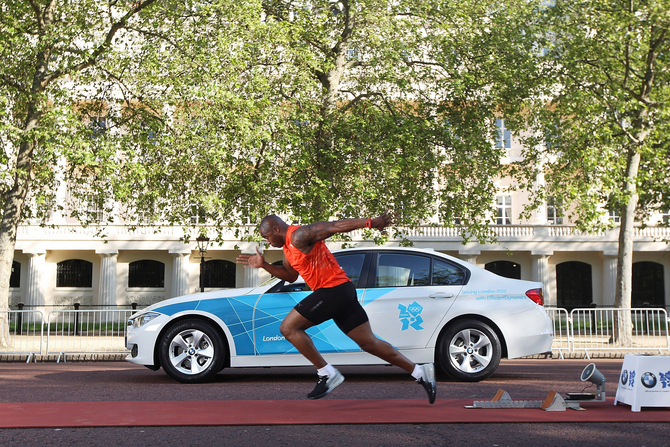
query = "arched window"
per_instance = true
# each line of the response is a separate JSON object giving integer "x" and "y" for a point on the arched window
{"x": 574, "y": 287}
{"x": 504, "y": 268}
{"x": 648, "y": 285}
{"x": 146, "y": 273}
{"x": 218, "y": 273}
{"x": 15, "y": 278}
{"x": 74, "y": 273}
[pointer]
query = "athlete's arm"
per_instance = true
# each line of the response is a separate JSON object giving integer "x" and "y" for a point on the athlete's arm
{"x": 284, "y": 271}
{"x": 305, "y": 237}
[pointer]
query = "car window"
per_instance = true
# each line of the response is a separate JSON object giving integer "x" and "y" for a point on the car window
{"x": 352, "y": 265}
{"x": 446, "y": 274}
{"x": 398, "y": 270}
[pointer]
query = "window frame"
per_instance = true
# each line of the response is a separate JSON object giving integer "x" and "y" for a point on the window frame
{"x": 130, "y": 266}
{"x": 372, "y": 274}
{"x": 81, "y": 262}
{"x": 503, "y": 218}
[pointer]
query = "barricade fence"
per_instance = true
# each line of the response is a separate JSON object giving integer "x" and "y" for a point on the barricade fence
{"x": 103, "y": 331}
{"x": 87, "y": 332}
{"x": 64, "y": 331}
{"x": 23, "y": 333}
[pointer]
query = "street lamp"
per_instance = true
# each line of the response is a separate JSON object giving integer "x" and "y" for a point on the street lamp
{"x": 202, "y": 242}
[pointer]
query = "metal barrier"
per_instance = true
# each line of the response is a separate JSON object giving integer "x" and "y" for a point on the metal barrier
{"x": 25, "y": 333}
{"x": 605, "y": 329}
{"x": 87, "y": 332}
{"x": 104, "y": 331}
{"x": 562, "y": 330}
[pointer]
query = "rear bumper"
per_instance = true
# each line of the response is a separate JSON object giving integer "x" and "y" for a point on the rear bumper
{"x": 535, "y": 336}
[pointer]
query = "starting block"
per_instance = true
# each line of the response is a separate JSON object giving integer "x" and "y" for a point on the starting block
{"x": 502, "y": 399}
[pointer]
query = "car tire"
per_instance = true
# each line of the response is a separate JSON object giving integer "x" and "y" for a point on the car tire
{"x": 192, "y": 351}
{"x": 469, "y": 351}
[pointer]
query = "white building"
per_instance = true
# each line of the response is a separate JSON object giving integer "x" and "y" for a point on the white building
{"x": 68, "y": 264}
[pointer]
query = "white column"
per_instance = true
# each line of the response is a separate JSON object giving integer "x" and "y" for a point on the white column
{"x": 540, "y": 273}
{"x": 108, "y": 275}
{"x": 609, "y": 279}
{"x": 180, "y": 273}
{"x": 472, "y": 259}
{"x": 252, "y": 276}
{"x": 35, "y": 294}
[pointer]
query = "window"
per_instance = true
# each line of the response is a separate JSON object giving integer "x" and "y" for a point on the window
{"x": 15, "y": 278}
{"x": 615, "y": 216}
{"x": 352, "y": 266}
{"x": 554, "y": 211}
{"x": 218, "y": 273}
{"x": 665, "y": 217}
{"x": 74, "y": 273}
{"x": 648, "y": 285}
{"x": 503, "y": 135}
{"x": 397, "y": 270}
{"x": 146, "y": 273}
{"x": 504, "y": 210}
{"x": 574, "y": 285}
{"x": 446, "y": 274}
{"x": 504, "y": 268}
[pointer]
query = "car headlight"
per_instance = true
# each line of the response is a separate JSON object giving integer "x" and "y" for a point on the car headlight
{"x": 142, "y": 319}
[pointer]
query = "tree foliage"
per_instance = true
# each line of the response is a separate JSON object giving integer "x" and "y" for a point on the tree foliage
{"x": 601, "y": 118}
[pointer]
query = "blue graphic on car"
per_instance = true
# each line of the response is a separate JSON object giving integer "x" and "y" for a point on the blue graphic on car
{"x": 410, "y": 316}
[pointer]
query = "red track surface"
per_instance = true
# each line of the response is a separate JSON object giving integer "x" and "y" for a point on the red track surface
{"x": 303, "y": 412}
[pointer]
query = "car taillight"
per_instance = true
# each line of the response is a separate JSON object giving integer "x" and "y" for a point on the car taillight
{"x": 536, "y": 295}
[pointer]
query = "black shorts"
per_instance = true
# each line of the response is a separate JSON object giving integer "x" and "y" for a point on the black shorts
{"x": 339, "y": 303}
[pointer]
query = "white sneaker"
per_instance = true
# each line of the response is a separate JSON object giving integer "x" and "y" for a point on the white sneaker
{"x": 428, "y": 381}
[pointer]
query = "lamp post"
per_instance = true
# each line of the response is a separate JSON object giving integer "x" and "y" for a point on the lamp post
{"x": 202, "y": 242}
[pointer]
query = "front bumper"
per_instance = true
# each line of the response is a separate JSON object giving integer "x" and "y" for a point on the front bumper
{"x": 142, "y": 341}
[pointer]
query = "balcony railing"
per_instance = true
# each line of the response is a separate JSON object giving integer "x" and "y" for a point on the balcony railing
{"x": 424, "y": 232}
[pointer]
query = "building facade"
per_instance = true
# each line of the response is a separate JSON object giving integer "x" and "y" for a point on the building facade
{"x": 57, "y": 267}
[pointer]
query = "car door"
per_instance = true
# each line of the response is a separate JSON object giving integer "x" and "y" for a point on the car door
{"x": 275, "y": 304}
{"x": 409, "y": 294}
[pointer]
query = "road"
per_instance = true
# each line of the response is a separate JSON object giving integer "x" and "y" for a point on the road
{"x": 120, "y": 381}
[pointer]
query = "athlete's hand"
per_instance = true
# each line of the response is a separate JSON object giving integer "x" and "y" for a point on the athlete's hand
{"x": 384, "y": 220}
{"x": 255, "y": 261}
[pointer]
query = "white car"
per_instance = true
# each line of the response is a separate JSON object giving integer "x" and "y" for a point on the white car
{"x": 430, "y": 306}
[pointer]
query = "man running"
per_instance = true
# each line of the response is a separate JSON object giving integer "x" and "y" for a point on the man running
{"x": 333, "y": 296}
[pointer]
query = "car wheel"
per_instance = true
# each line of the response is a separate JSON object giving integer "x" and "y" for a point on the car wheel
{"x": 469, "y": 351}
{"x": 192, "y": 351}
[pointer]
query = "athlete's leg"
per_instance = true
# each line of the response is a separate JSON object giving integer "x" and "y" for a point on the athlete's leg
{"x": 368, "y": 342}
{"x": 293, "y": 328}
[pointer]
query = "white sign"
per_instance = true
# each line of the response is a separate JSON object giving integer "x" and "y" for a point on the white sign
{"x": 644, "y": 382}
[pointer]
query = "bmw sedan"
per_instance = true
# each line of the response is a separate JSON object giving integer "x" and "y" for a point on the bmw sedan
{"x": 430, "y": 306}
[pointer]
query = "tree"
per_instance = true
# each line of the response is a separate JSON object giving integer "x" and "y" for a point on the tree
{"x": 601, "y": 118}
{"x": 340, "y": 109}
{"x": 72, "y": 74}
{"x": 178, "y": 113}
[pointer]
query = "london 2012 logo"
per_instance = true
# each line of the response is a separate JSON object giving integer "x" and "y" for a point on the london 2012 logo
{"x": 410, "y": 316}
{"x": 665, "y": 379}
{"x": 648, "y": 380}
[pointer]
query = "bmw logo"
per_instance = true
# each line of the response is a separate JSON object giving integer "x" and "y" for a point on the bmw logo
{"x": 649, "y": 380}
{"x": 624, "y": 377}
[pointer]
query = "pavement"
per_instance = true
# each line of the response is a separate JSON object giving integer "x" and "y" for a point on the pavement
{"x": 99, "y": 389}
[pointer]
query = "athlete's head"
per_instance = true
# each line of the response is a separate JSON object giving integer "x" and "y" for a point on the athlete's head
{"x": 273, "y": 230}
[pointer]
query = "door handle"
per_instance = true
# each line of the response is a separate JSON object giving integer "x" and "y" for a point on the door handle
{"x": 441, "y": 295}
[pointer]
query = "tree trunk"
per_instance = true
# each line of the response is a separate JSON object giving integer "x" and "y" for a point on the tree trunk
{"x": 623, "y": 326}
{"x": 11, "y": 218}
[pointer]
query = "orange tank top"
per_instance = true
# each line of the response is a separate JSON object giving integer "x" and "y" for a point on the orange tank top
{"x": 318, "y": 268}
